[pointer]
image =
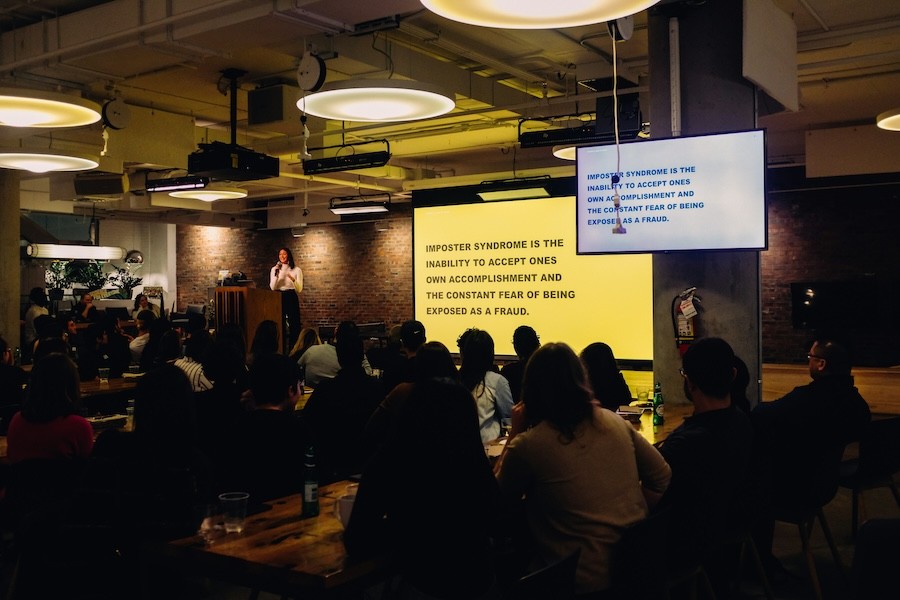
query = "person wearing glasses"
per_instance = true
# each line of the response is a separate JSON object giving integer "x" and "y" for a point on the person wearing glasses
{"x": 803, "y": 434}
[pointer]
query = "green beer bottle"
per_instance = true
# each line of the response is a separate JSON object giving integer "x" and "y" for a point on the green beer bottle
{"x": 659, "y": 409}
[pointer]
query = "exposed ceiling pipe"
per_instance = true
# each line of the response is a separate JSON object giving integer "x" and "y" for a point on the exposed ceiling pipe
{"x": 675, "y": 76}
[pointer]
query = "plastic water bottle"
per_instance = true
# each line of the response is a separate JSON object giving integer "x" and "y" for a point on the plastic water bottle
{"x": 310, "y": 484}
{"x": 659, "y": 409}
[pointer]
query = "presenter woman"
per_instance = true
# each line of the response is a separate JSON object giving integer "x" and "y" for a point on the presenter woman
{"x": 287, "y": 278}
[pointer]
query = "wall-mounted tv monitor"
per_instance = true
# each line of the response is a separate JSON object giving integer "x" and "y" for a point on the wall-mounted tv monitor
{"x": 689, "y": 193}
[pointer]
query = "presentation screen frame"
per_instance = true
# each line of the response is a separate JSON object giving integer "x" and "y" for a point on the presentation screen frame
{"x": 704, "y": 192}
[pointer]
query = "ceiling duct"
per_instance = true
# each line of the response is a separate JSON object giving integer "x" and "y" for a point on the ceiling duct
{"x": 101, "y": 184}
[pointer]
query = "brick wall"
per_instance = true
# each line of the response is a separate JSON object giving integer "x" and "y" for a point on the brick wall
{"x": 350, "y": 271}
{"x": 831, "y": 235}
{"x": 355, "y": 272}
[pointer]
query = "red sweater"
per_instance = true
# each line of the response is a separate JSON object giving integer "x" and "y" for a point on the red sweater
{"x": 66, "y": 437}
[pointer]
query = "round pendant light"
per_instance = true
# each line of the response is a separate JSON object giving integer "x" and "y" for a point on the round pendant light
{"x": 889, "y": 119}
{"x": 377, "y": 100}
{"x": 43, "y": 161}
{"x": 34, "y": 108}
{"x": 211, "y": 193}
{"x": 535, "y": 14}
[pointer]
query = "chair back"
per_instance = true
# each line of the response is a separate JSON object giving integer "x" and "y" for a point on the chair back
{"x": 553, "y": 582}
{"x": 876, "y": 558}
{"x": 879, "y": 449}
{"x": 642, "y": 546}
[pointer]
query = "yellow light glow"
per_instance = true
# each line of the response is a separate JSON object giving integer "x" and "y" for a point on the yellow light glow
{"x": 211, "y": 194}
{"x": 565, "y": 152}
{"x": 33, "y": 108}
{"x": 43, "y": 162}
{"x": 75, "y": 252}
{"x": 377, "y": 101}
{"x": 535, "y": 14}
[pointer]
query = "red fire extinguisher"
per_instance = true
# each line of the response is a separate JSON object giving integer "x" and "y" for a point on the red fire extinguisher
{"x": 684, "y": 313}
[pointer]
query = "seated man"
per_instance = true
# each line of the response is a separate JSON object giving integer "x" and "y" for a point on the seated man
{"x": 801, "y": 439}
{"x": 804, "y": 433}
{"x": 265, "y": 456}
{"x": 710, "y": 457}
{"x": 85, "y": 311}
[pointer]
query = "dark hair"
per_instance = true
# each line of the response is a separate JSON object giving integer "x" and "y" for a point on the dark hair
{"x": 555, "y": 389}
{"x": 270, "y": 377}
{"x": 49, "y": 345}
{"x": 94, "y": 332}
{"x": 709, "y": 364}
{"x": 412, "y": 334}
{"x": 38, "y": 296}
{"x": 222, "y": 362}
{"x": 603, "y": 374}
{"x": 53, "y": 389}
{"x": 146, "y": 318}
{"x": 836, "y": 354}
{"x": 433, "y": 360}
{"x": 448, "y": 405}
{"x": 164, "y": 410}
{"x": 477, "y": 352}
{"x": 349, "y": 352}
{"x": 525, "y": 341}
{"x": 169, "y": 346}
{"x": 346, "y": 329}
{"x": 233, "y": 334}
{"x": 265, "y": 339}
{"x": 3, "y": 345}
{"x": 137, "y": 300}
{"x": 308, "y": 338}
{"x": 47, "y": 326}
{"x": 290, "y": 256}
{"x": 739, "y": 385}
{"x": 196, "y": 345}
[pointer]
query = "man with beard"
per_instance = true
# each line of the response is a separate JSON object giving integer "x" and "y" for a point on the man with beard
{"x": 710, "y": 457}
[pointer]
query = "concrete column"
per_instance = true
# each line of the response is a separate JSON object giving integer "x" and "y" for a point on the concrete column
{"x": 10, "y": 263}
{"x": 714, "y": 98}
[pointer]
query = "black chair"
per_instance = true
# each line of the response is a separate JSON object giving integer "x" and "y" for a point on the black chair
{"x": 803, "y": 514}
{"x": 876, "y": 558}
{"x": 555, "y": 581}
{"x": 879, "y": 460}
{"x": 641, "y": 547}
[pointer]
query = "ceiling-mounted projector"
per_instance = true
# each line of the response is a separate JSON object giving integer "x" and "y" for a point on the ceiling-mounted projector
{"x": 231, "y": 162}
{"x": 348, "y": 162}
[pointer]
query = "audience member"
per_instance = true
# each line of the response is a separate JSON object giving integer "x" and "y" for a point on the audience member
{"x": 116, "y": 347}
{"x": 434, "y": 510}
{"x": 739, "y": 388}
{"x": 490, "y": 389}
{"x": 158, "y": 465}
{"x": 268, "y": 444}
{"x": 152, "y": 355}
{"x": 525, "y": 342}
{"x": 143, "y": 322}
{"x": 803, "y": 434}
{"x": 710, "y": 454}
{"x": 85, "y": 311}
{"x": 51, "y": 338}
{"x": 37, "y": 306}
{"x": 12, "y": 379}
{"x": 265, "y": 340}
{"x": 194, "y": 349}
{"x": 389, "y": 359}
{"x": 308, "y": 337}
{"x": 220, "y": 408}
{"x": 604, "y": 376}
{"x": 142, "y": 303}
{"x": 92, "y": 354}
{"x": 321, "y": 362}
{"x": 432, "y": 361}
{"x": 49, "y": 426}
{"x": 584, "y": 472}
{"x": 338, "y": 410}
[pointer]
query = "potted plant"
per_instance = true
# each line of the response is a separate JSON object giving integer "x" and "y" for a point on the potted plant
{"x": 124, "y": 280}
{"x": 57, "y": 279}
{"x": 87, "y": 273}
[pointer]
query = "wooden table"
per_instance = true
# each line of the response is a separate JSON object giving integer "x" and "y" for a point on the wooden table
{"x": 278, "y": 552}
{"x": 113, "y": 386}
{"x": 675, "y": 414}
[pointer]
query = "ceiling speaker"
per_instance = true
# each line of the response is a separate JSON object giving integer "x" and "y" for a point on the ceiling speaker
{"x": 101, "y": 184}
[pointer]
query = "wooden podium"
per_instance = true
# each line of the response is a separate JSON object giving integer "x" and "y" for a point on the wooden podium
{"x": 248, "y": 307}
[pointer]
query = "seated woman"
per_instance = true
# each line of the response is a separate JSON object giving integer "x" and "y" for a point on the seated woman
{"x": 490, "y": 389}
{"x": 308, "y": 337}
{"x": 604, "y": 376}
{"x": 49, "y": 426}
{"x": 440, "y": 504}
{"x": 142, "y": 302}
{"x": 583, "y": 472}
